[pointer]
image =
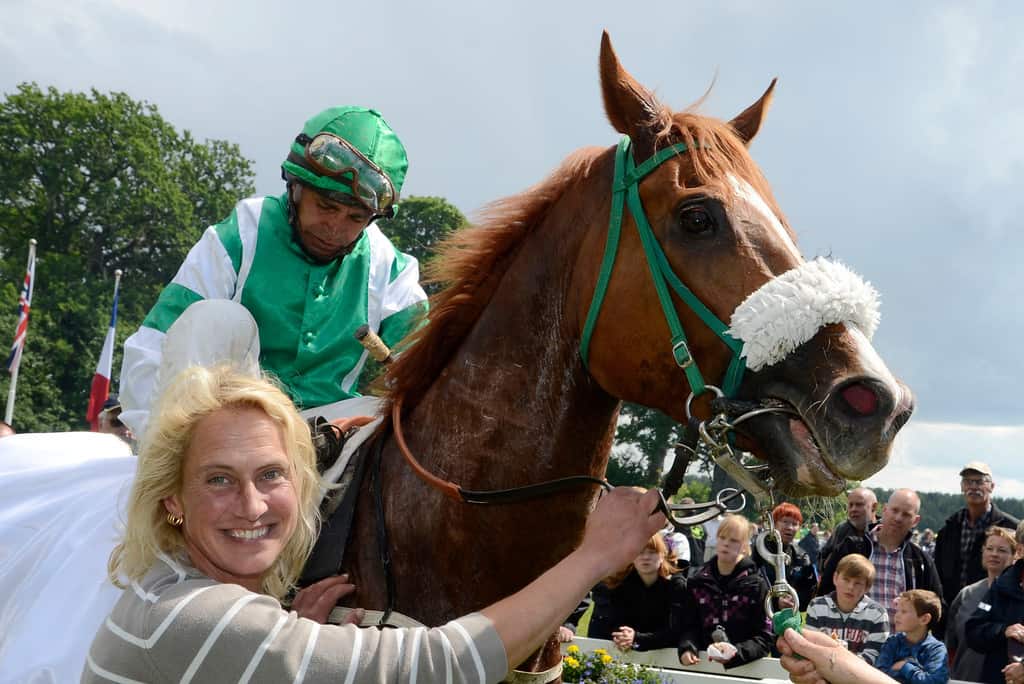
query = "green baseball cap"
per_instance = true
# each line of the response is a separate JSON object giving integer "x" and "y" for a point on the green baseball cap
{"x": 365, "y": 130}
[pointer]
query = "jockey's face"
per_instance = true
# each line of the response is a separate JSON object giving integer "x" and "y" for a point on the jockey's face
{"x": 326, "y": 226}
{"x": 237, "y": 496}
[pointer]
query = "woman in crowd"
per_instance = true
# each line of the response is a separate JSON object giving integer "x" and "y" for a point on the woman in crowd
{"x": 996, "y": 628}
{"x": 644, "y": 602}
{"x": 800, "y": 571}
{"x": 724, "y": 606}
{"x": 996, "y": 556}
{"x": 221, "y": 518}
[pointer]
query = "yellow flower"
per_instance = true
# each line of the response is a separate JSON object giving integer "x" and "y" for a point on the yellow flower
{"x": 573, "y": 648}
{"x": 571, "y": 662}
{"x": 606, "y": 659}
{"x": 599, "y": 651}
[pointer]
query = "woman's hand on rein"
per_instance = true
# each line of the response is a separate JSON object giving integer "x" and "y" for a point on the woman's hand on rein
{"x": 316, "y": 601}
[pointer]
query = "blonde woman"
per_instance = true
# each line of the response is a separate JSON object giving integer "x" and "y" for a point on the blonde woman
{"x": 221, "y": 518}
{"x": 725, "y": 603}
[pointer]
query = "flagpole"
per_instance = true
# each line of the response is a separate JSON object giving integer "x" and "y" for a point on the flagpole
{"x": 9, "y": 414}
{"x": 99, "y": 389}
{"x": 117, "y": 281}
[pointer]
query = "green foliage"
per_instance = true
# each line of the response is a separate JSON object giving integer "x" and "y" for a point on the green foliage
{"x": 102, "y": 182}
{"x": 697, "y": 488}
{"x": 652, "y": 433}
{"x": 627, "y": 468}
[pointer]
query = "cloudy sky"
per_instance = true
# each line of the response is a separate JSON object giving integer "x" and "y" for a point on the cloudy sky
{"x": 895, "y": 142}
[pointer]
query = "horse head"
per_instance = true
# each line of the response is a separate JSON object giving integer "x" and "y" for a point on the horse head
{"x": 804, "y": 326}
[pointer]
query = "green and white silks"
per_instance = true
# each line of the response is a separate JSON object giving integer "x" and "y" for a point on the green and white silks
{"x": 306, "y": 312}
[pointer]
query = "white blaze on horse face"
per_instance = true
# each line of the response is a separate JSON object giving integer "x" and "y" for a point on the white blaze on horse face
{"x": 750, "y": 206}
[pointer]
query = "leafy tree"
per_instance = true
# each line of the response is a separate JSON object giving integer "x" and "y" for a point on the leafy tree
{"x": 652, "y": 433}
{"x": 102, "y": 182}
{"x": 626, "y": 467}
{"x": 697, "y": 488}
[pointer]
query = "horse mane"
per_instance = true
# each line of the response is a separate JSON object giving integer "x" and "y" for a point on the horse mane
{"x": 470, "y": 262}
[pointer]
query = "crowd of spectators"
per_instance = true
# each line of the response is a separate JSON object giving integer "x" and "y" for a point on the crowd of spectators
{"x": 920, "y": 606}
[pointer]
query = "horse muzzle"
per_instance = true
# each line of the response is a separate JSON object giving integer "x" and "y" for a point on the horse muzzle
{"x": 828, "y": 437}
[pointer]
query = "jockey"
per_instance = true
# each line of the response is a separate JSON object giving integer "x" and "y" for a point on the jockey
{"x": 285, "y": 281}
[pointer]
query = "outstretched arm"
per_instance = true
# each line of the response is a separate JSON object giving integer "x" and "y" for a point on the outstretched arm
{"x": 616, "y": 531}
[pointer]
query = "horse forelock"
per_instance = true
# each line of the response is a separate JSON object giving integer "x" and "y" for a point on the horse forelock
{"x": 470, "y": 263}
{"x": 716, "y": 153}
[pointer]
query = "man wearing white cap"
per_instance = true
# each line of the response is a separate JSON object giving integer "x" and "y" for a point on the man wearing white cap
{"x": 958, "y": 547}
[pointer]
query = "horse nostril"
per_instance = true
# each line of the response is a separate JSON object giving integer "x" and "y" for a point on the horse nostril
{"x": 861, "y": 398}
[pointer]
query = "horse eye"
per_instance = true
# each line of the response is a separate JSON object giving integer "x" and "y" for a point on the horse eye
{"x": 696, "y": 220}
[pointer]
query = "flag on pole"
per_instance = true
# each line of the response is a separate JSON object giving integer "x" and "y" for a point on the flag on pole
{"x": 24, "y": 305}
{"x": 101, "y": 380}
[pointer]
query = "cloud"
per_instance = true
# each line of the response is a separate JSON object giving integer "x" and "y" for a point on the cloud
{"x": 929, "y": 456}
{"x": 895, "y": 140}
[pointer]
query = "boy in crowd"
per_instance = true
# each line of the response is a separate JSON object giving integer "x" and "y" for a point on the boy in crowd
{"x": 847, "y": 613}
{"x": 912, "y": 655}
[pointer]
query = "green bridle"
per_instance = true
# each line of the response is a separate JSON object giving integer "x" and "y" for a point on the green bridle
{"x": 626, "y": 190}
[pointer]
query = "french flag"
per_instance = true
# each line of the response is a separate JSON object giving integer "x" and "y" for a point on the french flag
{"x": 101, "y": 380}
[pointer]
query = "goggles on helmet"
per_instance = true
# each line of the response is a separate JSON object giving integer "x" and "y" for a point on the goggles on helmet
{"x": 333, "y": 157}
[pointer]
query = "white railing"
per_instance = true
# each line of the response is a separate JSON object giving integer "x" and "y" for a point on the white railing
{"x": 665, "y": 662}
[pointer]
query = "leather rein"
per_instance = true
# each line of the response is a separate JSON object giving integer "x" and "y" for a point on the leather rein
{"x": 458, "y": 493}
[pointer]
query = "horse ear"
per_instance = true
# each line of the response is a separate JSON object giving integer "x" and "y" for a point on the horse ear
{"x": 631, "y": 108}
{"x": 748, "y": 123}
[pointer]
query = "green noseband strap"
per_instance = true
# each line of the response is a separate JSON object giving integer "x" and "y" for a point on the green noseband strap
{"x": 626, "y": 190}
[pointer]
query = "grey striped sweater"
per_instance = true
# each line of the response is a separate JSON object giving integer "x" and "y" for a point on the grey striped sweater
{"x": 864, "y": 629}
{"x": 177, "y": 625}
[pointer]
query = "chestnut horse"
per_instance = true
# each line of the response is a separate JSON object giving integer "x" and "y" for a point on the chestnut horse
{"x": 495, "y": 392}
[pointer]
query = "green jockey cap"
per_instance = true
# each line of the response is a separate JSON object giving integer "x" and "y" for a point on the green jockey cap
{"x": 364, "y": 129}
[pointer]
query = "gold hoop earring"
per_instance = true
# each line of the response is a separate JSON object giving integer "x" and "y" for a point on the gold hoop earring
{"x": 175, "y": 520}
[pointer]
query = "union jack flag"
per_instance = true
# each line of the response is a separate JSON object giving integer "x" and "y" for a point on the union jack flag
{"x": 24, "y": 306}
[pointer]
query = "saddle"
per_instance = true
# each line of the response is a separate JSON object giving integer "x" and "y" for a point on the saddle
{"x": 341, "y": 461}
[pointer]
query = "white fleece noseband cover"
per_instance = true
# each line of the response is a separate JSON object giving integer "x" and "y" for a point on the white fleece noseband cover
{"x": 791, "y": 308}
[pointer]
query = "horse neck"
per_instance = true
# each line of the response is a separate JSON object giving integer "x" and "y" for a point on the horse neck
{"x": 515, "y": 404}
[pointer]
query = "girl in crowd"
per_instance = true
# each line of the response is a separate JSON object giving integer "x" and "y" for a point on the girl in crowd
{"x": 724, "y": 605}
{"x": 644, "y": 602}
